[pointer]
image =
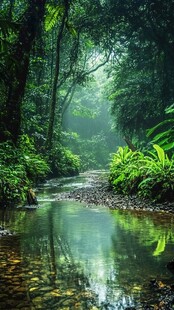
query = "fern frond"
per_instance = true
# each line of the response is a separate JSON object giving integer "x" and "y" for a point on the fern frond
{"x": 53, "y": 15}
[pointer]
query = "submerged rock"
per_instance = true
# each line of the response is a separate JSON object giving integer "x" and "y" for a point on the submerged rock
{"x": 5, "y": 232}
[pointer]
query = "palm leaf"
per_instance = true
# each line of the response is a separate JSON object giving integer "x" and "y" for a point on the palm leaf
{"x": 167, "y": 121}
{"x": 170, "y": 109}
{"x": 168, "y": 146}
{"x": 161, "y": 154}
{"x": 161, "y": 135}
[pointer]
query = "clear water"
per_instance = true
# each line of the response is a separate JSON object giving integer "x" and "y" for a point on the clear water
{"x": 68, "y": 255}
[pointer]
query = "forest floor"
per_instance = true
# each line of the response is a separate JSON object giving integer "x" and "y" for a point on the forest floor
{"x": 98, "y": 192}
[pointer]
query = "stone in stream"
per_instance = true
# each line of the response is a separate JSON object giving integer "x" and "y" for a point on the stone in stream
{"x": 5, "y": 232}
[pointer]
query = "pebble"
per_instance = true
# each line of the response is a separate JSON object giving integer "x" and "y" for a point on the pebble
{"x": 5, "y": 232}
{"x": 100, "y": 193}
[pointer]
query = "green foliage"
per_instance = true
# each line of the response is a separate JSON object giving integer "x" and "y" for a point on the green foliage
{"x": 36, "y": 167}
{"x": 53, "y": 15}
{"x": 154, "y": 235}
{"x": 63, "y": 162}
{"x": 124, "y": 171}
{"x": 165, "y": 131}
{"x": 90, "y": 119}
{"x": 71, "y": 29}
{"x": 160, "y": 245}
{"x": 85, "y": 112}
{"x": 93, "y": 151}
{"x": 13, "y": 179}
{"x": 158, "y": 176}
{"x": 133, "y": 97}
{"x": 8, "y": 29}
{"x": 149, "y": 176}
{"x": 142, "y": 83}
{"x": 20, "y": 168}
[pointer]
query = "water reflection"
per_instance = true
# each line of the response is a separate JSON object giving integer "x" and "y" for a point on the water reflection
{"x": 68, "y": 256}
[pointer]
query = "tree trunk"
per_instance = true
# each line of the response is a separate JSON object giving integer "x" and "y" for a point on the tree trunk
{"x": 18, "y": 71}
{"x": 56, "y": 78}
{"x": 130, "y": 144}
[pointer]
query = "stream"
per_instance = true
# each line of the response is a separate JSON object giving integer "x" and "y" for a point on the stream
{"x": 70, "y": 255}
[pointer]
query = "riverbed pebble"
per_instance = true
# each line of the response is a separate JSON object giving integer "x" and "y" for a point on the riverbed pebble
{"x": 5, "y": 232}
{"x": 100, "y": 193}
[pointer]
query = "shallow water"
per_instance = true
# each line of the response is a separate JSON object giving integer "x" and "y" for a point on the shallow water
{"x": 68, "y": 255}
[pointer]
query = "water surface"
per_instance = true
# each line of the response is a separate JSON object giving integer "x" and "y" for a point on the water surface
{"x": 68, "y": 255}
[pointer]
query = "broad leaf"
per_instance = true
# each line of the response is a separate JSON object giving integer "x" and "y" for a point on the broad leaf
{"x": 161, "y": 154}
{"x": 167, "y": 121}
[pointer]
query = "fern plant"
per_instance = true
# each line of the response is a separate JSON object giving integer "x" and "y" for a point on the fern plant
{"x": 54, "y": 13}
{"x": 158, "y": 172}
{"x": 20, "y": 168}
{"x": 150, "y": 176}
{"x": 165, "y": 131}
{"x": 124, "y": 171}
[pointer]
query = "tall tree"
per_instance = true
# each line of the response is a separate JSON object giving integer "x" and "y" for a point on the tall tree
{"x": 17, "y": 70}
{"x": 144, "y": 66}
{"x": 64, "y": 20}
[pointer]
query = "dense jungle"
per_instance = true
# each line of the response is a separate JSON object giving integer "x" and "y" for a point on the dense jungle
{"x": 86, "y": 117}
{"x": 66, "y": 66}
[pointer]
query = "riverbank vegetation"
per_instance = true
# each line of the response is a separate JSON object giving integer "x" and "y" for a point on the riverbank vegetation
{"x": 149, "y": 175}
{"x": 22, "y": 167}
{"x": 61, "y": 62}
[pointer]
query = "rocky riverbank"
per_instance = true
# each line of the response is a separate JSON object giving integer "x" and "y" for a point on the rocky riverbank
{"x": 98, "y": 192}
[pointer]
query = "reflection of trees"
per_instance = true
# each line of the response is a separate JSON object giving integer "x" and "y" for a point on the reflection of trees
{"x": 138, "y": 242}
{"x": 39, "y": 265}
{"x": 60, "y": 268}
{"x": 53, "y": 268}
{"x": 11, "y": 218}
{"x": 54, "y": 278}
{"x": 153, "y": 230}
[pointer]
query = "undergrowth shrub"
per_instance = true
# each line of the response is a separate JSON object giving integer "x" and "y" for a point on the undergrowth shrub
{"x": 20, "y": 168}
{"x": 36, "y": 167}
{"x": 63, "y": 162}
{"x": 158, "y": 171}
{"x": 125, "y": 174}
{"x": 149, "y": 176}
